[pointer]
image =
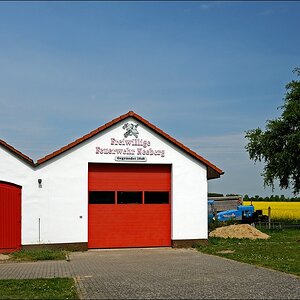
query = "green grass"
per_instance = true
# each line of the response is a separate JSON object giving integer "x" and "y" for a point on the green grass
{"x": 280, "y": 252}
{"x": 286, "y": 220}
{"x": 54, "y": 288}
{"x": 41, "y": 254}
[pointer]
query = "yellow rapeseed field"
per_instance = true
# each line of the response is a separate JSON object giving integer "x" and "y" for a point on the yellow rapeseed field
{"x": 279, "y": 210}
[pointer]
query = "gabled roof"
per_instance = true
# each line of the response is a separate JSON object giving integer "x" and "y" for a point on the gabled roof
{"x": 212, "y": 170}
{"x": 17, "y": 153}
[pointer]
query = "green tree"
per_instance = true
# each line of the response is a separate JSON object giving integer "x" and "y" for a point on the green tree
{"x": 279, "y": 145}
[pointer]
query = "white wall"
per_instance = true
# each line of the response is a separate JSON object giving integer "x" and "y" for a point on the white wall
{"x": 15, "y": 170}
{"x": 62, "y": 200}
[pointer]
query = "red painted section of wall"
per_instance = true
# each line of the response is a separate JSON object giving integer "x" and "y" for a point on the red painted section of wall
{"x": 129, "y": 225}
{"x": 10, "y": 217}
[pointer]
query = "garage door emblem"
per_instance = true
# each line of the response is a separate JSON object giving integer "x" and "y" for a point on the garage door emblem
{"x": 131, "y": 129}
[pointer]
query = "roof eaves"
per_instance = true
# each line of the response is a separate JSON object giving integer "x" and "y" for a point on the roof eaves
{"x": 82, "y": 139}
{"x": 180, "y": 145}
{"x": 17, "y": 153}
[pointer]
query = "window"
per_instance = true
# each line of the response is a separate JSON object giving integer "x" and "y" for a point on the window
{"x": 156, "y": 197}
{"x": 130, "y": 197}
{"x": 101, "y": 197}
{"x": 108, "y": 197}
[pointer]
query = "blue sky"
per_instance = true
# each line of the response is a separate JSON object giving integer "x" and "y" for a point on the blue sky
{"x": 204, "y": 72}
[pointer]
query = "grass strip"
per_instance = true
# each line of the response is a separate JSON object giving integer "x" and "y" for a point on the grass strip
{"x": 280, "y": 252}
{"x": 41, "y": 254}
{"x": 53, "y": 288}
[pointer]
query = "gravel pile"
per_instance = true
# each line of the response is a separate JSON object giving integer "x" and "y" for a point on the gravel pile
{"x": 242, "y": 231}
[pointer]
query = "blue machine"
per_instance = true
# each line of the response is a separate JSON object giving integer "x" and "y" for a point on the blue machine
{"x": 241, "y": 213}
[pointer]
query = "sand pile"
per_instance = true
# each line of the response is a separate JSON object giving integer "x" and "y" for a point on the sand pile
{"x": 4, "y": 257}
{"x": 242, "y": 231}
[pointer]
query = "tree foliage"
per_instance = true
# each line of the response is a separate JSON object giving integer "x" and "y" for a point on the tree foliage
{"x": 279, "y": 145}
{"x": 215, "y": 195}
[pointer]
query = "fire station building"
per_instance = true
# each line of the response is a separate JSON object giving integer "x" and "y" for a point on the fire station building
{"x": 125, "y": 184}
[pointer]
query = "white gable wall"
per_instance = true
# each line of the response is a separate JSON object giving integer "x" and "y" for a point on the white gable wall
{"x": 15, "y": 170}
{"x": 61, "y": 203}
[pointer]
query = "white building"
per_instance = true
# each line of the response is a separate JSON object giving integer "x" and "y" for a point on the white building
{"x": 125, "y": 184}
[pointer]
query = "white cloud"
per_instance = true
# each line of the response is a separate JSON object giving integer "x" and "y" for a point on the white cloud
{"x": 242, "y": 176}
{"x": 204, "y": 7}
{"x": 229, "y": 143}
{"x": 267, "y": 12}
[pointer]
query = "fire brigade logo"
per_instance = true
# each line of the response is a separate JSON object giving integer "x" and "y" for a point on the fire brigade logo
{"x": 130, "y": 130}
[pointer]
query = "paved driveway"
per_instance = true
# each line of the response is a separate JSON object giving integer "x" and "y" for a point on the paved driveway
{"x": 160, "y": 273}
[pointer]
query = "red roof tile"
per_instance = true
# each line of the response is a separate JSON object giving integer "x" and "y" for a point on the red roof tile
{"x": 212, "y": 170}
{"x": 16, "y": 152}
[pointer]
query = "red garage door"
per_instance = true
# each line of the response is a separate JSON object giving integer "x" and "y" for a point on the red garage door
{"x": 129, "y": 205}
{"x": 10, "y": 217}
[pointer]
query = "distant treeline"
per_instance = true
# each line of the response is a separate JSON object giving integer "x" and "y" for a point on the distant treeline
{"x": 272, "y": 198}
